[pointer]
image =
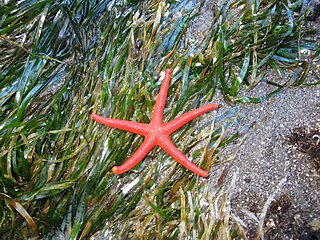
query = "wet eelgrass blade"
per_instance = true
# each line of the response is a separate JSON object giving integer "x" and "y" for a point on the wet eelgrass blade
{"x": 22, "y": 211}
{"x": 250, "y": 38}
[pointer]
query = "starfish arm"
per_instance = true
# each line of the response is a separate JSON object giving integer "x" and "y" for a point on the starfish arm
{"x": 141, "y": 152}
{"x": 134, "y": 127}
{"x": 161, "y": 99}
{"x": 177, "y": 123}
{"x": 174, "y": 152}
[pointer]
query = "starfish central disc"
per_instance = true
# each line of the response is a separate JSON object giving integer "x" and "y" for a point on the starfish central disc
{"x": 157, "y": 132}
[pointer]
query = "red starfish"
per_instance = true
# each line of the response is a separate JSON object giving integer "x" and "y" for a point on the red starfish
{"x": 157, "y": 132}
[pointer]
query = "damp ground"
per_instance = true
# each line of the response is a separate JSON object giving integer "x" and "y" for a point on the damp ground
{"x": 277, "y": 159}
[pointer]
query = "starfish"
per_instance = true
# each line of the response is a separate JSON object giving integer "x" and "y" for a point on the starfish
{"x": 157, "y": 132}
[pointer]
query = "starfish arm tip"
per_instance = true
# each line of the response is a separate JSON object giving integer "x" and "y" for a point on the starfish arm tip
{"x": 94, "y": 116}
{"x": 168, "y": 71}
{"x": 200, "y": 172}
{"x": 214, "y": 106}
{"x": 178, "y": 156}
{"x": 115, "y": 170}
{"x": 205, "y": 175}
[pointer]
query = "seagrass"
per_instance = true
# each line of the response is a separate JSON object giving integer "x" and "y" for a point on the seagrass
{"x": 62, "y": 60}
